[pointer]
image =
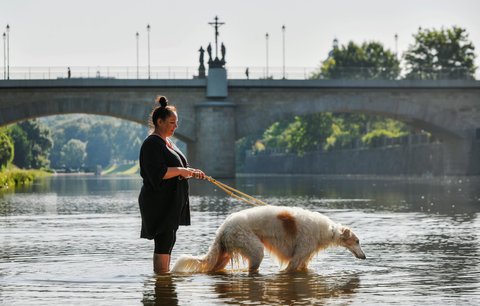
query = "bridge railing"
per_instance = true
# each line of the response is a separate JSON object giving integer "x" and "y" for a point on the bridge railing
{"x": 156, "y": 72}
{"x": 100, "y": 72}
{"x": 190, "y": 72}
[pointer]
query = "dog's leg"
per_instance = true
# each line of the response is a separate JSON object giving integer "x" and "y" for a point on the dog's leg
{"x": 253, "y": 252}
{"x": 299, "y": 261}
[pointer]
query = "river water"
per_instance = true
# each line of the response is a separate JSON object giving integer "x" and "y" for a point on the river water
{"x": 74, "y": 240}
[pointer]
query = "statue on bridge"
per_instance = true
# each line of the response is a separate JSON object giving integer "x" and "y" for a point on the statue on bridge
{"x": 209, "y": 50}
{"x": 223, "y": 50}
{"x": 216, "y": 63}
{"x": 201, "y": 68}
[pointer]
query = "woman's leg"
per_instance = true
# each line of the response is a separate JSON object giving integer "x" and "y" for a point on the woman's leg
{"x": 164, "y": 243}
{"x": 161, "y": 263}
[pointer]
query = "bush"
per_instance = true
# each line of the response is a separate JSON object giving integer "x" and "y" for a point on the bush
{"x": 6, "y": 150}
{"x": 14, "y": 176}
{"x": 375, "y": 137}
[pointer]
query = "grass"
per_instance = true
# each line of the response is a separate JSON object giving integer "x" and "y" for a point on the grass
{"x": 126, "y": 169}
{"x": 13, "y": 176}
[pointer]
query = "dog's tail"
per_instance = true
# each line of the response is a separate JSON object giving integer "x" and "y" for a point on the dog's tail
{"x": 210, "y": 262}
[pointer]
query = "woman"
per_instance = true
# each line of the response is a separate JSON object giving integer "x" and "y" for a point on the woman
{"x": 163, "y": 200}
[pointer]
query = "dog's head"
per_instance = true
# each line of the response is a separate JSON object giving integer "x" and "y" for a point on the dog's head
{"x": 349, "y": 240}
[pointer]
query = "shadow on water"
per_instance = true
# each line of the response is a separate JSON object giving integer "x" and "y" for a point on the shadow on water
{"x": 235, "y": 288}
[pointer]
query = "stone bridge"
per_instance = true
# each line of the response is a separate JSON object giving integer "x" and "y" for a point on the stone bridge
{"x": 214, "y": 112}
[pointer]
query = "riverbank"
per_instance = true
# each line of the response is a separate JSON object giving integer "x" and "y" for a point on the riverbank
{"x": 13, "y": 176}
{"x": 123, "y": 169}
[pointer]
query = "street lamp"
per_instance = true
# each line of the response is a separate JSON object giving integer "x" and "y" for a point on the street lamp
{"x": 4, "y": 56}
{"x": 148, "y": 37}
{"x": 283, "y": 34}
{"x": 266, "y": 40}
{"x": 396, "y": 45}
{"x": 137, "y": 36}
{"x": 8, "y": 52}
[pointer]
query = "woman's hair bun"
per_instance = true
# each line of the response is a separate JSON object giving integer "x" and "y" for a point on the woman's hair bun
{"x": 162, "y": 100}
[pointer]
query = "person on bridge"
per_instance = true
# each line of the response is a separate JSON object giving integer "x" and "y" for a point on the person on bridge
{"x": 163, "y": 199}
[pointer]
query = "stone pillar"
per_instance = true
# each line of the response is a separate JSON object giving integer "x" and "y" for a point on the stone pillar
{"x": 214, "y": 149}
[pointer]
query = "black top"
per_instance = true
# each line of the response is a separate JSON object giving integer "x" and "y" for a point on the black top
{"x": 164, "y": 204}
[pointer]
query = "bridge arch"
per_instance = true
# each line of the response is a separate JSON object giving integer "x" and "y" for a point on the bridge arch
{"x": 120, "y": 103}
{"x": 429, "y": 109}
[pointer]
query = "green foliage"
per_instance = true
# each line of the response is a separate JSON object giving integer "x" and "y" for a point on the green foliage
{"x": 32, "y": 143}
{"x": 6, "y": 149}
{"x": 373, "y": 138}
{"x": 23, "y": 154}
{"x": 366, "y": 61}
{"x": 12, "y": 176}
{"x": 108, "y": 140}
{"x": 99, "y": 147}
{"x": 440, "y": 54}
{"x": 327, "y": 131}
{"x": 301, "y": 135}
{"x": 73, "y": 154}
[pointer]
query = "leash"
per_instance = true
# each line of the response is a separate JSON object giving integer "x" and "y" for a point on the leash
{"x": 235, "y": 193}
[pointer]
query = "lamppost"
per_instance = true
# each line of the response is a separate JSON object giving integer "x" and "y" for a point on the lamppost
{"x": 396, "y": 45}
{"x": 4, "y": 56}
{"x": 266, "y": 40}
{"x": 283, "y": 34}
{"x": 8, "y": 52}
{"x": 148, "y": 38}
{"x": 137, "y": 36}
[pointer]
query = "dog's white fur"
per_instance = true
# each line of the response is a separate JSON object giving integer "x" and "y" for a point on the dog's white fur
{"x": 293, "y": 235}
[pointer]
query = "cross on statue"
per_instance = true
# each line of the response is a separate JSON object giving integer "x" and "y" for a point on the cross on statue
{"x": 216, "y": 24}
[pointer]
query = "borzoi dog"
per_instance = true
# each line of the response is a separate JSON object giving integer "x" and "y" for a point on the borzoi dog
{"x": 292, "y": 235}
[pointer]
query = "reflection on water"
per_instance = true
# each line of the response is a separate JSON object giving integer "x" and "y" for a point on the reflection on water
{"x": 257, "y": 289}
{"x": 74, "y": 240}
{"x": 284, "y": 288}
{"x": 164, "y": 291}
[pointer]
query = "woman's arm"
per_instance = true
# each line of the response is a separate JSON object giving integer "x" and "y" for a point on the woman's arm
{"x": 183, "y": 172}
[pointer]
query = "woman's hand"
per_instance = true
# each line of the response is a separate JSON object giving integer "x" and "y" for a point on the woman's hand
{"x": 196, "y": 173}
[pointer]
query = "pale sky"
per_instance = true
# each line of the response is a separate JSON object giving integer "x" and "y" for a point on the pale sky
{"x": 102, "y": 32}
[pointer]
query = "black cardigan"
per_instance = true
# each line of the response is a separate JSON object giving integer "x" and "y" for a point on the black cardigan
{"x": 164, "y": 204}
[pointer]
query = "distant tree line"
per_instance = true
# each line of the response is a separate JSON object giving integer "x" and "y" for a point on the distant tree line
{"x": 72, "y": 143}
{"x": 435, "y": 54}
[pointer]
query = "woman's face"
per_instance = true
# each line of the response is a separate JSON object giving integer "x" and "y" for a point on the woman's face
{"x": 168, "y": 126}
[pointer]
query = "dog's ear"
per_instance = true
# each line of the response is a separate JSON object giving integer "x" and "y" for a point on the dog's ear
{"x": 345, "y": 233}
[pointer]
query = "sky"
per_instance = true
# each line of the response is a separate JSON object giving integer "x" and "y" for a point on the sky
{"x": 51, "y": 33}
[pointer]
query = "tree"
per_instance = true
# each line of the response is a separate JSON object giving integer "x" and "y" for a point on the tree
{"x": 133, "y": 150}
{"x": 6, "y": 150}
{"x": 32, "y": 142}
{"x": 23, "y": 155}
{"x": 99, "y": 144}
{"x": 440, "y": 54}
{"x": 366, "y": 61}
{"x": 127, "y": 139}
{"x": 73, "y": 154}
{"x": 301, "y": 135}
{"x": 99, "y": 150}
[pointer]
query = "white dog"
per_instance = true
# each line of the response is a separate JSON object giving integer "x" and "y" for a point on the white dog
{"x": 293, "y": 235}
